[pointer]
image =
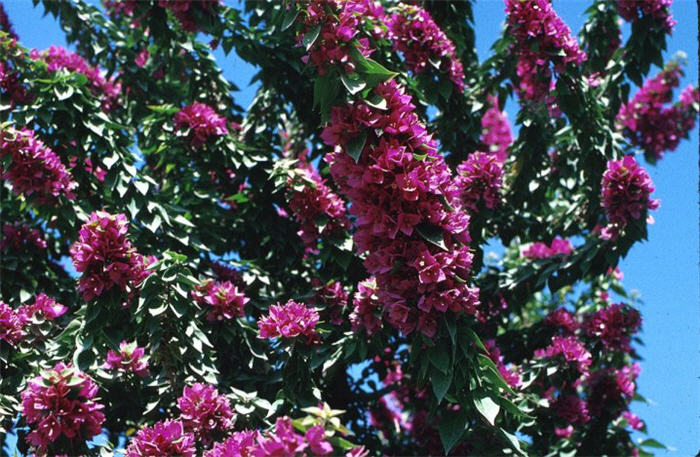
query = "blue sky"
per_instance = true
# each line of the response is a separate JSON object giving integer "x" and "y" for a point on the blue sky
{"x": 665, "y": 269}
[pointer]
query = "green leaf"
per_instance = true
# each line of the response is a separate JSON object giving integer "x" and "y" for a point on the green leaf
{"x": 512, "y": 440}
{"x": 441, "y": 383}
{"x": 372, "y": 72}
{"x": 440, "y": 358}
{"x": 651, "y": 442}
{"x": 432, "y": 234}
{"x": 355, "y": 146}
{"x": 311, "y": 36}
{"x": 452, "y": 428}
{"x": 353, "y": 85}
{"x": 289, "y": 18}
{"x": 486, "y": 406}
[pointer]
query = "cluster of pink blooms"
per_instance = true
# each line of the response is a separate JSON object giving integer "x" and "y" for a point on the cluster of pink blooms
{"x": 399, "y": 201}
{"x": 201, "y": 122}
{"x": 480, "y": 178}
{"x": 626, "y": 190}
{"x": 509, "y": 375}
{"x": 186, "y": 10}
{"x": 310, "y": 199}
{"x": 339, "y": 23}
{"x": 18, "y": 236}
{"x": 14, "y": 321}
{"x": 11, "y": 325}
{"x": 610, "y": 390}
{"x": 540, "y": 250}
{"x": 223, "y": 299}
{"x": 11, "y": 86}
{"x": 61, "y": 403}
{"x": 105, "y": 257}
{"x": 572, "y": 409}
{"x": 167, "y": 438}
{"x": 562, "y": 319}
{"x": 334, "y": 298}
{"x": 5, "y": 24}
{"x": 614, "y": 326}
{"x": 534, "y": 23}
{"x": 651, "y": 125}
{"x": 44, "y": 308}
{"x": 34, "y": 170}
{"x": 58, "y": 58}
{"x": 289, "y": 321}
{"x": 495, "y": 130}
{"x": 282, "y": 441}
{"x": 423, "y": 44}
{"x": 571, "y": 349}
{"x": 129, "y": 359}
{"x": 366, "y": 312}
{"x": 660, "y": 10}
{"x": 203, "y": 411}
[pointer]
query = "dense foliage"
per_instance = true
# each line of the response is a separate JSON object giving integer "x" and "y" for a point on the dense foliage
{"x": 308, "y": 276}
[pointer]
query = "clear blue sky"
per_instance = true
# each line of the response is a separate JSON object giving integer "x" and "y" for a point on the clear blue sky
{"x": 665, "y": 269}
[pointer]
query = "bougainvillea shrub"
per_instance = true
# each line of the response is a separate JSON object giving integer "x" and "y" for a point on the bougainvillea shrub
{"x": 181, "y": 276}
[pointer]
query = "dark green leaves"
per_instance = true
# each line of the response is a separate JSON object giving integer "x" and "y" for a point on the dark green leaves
{"x": 354, "y": 147}
{"x": 370, "y": 71}
{"x": 486, "y": 406}
{"x": 452, "y": 428}
{"x": 432, "y": 234}
{"x": 353, "y": 85}
{"x": 311, "y": 36}
{"x": 441, "y": 383}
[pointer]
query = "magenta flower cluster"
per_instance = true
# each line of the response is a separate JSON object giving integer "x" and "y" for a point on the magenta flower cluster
{"x": 34, "y": 170}
{"x": 310, "y": 200}
{"x": 129, "y": 359}
{"x": 200, "y": 122}
{"x": 58, "y": 58}
{"x": 540, "y": 250}
{"x": 570, "y": 349}
{"x": 495, "y": 130}
{"x": 367, "y": 310}
{"x": 398, "y": 188}
{"x": 44, "y": 308}
{"x": 186, "y": 10}
{"x": 648, "y": 123}
{"x": 204, "y": 412}
{"x": 660, "y": 10}
{"x": 626, "y": 190}
{"x": 10, "y": 85}
{"x": 167, "y": 438}
{"x": 562, "y": 319}
{"x": 535, "y": 25}
{"x": 423, "y": 44}
{"x": 572, "y": 409}
{"x": 334, "y": 298}
{"x": 339, "y": 23}
{"x": 61, "y": 403}
{"x": 13, "y": 322}
{"x": 11, "y": 325}
{"x": 18, "y": 236}
{"x": 105, "y": 257}
{"x": 479, "y": 179}
{"x": 222, "y": 299}
{"x": 282, "y": 441}
{"x": 289, "y": 321}
{"x": 614, "y": 326}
